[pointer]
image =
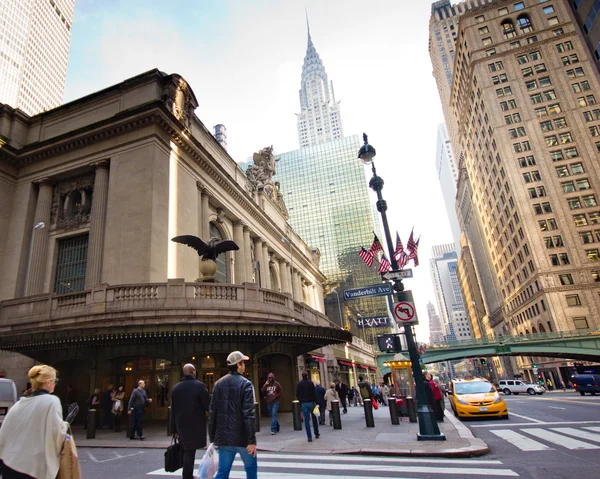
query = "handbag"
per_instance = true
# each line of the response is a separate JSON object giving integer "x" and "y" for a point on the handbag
{"x": 210, "y": 463}
{"x": 173, "y": 456}
{"x": 69, "y": 459}
{"x": 375, "y": 405}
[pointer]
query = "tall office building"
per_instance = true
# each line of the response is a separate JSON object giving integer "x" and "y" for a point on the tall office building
{"x": 447, "y": 171}
{"x": 525, "y": 89}
{"x": 588, "y": 17}
{"x": 436, "y": 333}
{"x": 319, "y": 120}
{"x": 35, "y": 36}
{"x": 443, "y": 265}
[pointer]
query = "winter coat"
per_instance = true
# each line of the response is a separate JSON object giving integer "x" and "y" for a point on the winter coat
{"x": 437, "y": 394}
{"x": 271, "y": 392}
{"x": 190, "y": 402}
{"x": 305, "y": 391}
{"x": 320, "y": 391}
{"x": 118, "y": 396}
{"x": 330, "y": 396}
{"x": 231, "y": 416}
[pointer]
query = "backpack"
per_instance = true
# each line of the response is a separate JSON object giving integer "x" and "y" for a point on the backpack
{"x": 364, "y": 391}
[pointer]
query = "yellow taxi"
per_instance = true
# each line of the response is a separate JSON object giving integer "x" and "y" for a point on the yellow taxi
{"x": 476, "y": 397}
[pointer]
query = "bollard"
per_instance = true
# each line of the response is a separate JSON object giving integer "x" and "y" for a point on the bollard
{"x": 393, "y": 411}
{"x": 169, "y": 433}
{"x": 368, "y": 407}
{"x": 91, "y": 424}
{"x": 412, "y": 409}
{"x": 256, "y": 417}
{"x": 335, "y": 415}
{"x": 296, "y": 415}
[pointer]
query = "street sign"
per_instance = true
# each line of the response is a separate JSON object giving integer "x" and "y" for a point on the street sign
{"x": 373, "y": 321}
{"x": 398, "y": 274}
{"x": 404, "y": 312}
{"x": 382, "y": 289}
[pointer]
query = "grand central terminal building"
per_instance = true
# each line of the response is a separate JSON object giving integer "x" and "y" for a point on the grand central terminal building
{"x": 91, "y": 194}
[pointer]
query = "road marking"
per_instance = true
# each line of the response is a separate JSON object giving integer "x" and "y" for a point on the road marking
{"x": 559, "y": 440}
{"x": 551, "y": 423}
{"x": 526, "y": 417}
{"x": 117, "y": 457}
{"x": 556, "y": 407}
{"x": 590, "y": 436}
{"x": 572, "y": 400}
{"x": 296, "y": 475}
{"x": 522, "y": 442}
{"x": 595, "y": 429}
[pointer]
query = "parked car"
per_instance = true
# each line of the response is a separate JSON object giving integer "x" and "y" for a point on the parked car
{"x": 516, "y": 386}
{"x": 586, "y": 383}
{"x": 8, "y": 396}
{"x": 476, "y": 398}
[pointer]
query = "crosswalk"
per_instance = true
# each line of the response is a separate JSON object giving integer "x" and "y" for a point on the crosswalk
{"x": 312, "y": 466}
{"x": 551, "y": 438}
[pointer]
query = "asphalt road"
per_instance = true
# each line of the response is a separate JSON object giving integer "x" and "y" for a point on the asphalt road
{"x": 554, "y": 436}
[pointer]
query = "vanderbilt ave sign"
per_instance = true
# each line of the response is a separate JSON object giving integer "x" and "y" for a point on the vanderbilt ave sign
{"x": 382, "y": 289}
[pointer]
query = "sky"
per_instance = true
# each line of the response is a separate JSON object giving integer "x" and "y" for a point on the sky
{"x": 243, "y": 59}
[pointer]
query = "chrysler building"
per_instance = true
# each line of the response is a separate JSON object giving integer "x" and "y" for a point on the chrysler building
{"x": 319, "y": 120}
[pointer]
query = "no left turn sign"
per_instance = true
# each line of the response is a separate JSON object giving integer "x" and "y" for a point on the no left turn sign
{"x": 404, "y": 312}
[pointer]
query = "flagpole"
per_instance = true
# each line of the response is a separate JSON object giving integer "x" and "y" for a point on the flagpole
{"x": 428, "y": 427}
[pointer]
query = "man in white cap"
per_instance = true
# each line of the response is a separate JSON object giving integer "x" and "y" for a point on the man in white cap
{"x": 231, "y": 419}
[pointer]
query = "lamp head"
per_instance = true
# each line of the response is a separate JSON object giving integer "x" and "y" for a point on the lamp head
{"x": 40, "y": 225}
{"x": 366, "y": 152}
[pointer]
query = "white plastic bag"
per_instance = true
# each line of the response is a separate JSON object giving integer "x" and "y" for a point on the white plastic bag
{"x": 210, "y": 463}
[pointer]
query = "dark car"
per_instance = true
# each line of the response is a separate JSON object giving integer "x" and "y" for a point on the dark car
{"x": 586, "y": 383}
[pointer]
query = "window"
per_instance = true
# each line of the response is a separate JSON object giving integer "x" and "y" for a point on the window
{"x": 487, "y": 41}
{"x": 596, "y": 276}
{"x": 522, "y": 59}
{"x": 556, "y": 155}
{"x": 580, "y": 220}
{"x": 554, "y": 260}
{"x": 548, "y": 225}
{"x": 573, "y": 300}
{"x": 516, "y": 44}
{"x": 524, "y": 23}
{"x": 497, "y": 79}
{"x": 484, "y": 30}
{"x": 562, "y": 171}
{"x": 586, "y": 100}
{"x": 71, "y": 264}
{"x": 571, "y": 152}
{"x": 532, "y": 39}
{"x": 545, "y": 81}
{"x": 592, "y": 254}
{"x": 548, "y": 10}
{"x": 580, "y": 322}
{"x": 541, "y": 112}
{"x": 508, "y": 29}
{"x": 549, "y": 95}
{"x": 576, "y": 168}
{"x": 586, "y": 237}
{"x": 560, "y": 123}
{"x": 554, "y": 21}
{"x": 574, "y": 203}
{"x": 583, "y": 184}
{"x": 551, "y": 140}
{"x": 519, "y": 6}
{"x": 554, "y": 108}
{"x": 531, "y": 85}
{"x": 595, "y": 130}
{"x": 568, "y": 187}
{"x": 576, "y": 72}
{"x": 221, "y": 273}
{"x": 494, "y": 67}
{"x": 500, "y": 92}
{"x": 527, "y": 72}
{"x": 546, "y": 126}
{"x": 479, "y": 19}
{"x": 594, "y": 218}
{"x": 565, "y": 138}
{"x": 490, "y": 52}
{"x": 536, "y": 98}
{"x": 514, "y": 118}
{"x": 540, "y": 68}
{"x": 568, "y": 60}
{"x": 565, "y": 279}
{"x": 527, "y": 161}
{"x": 591, "y": 115}
{"x": 563, "y": 47}
{"x": 502, "y": 11}
{"x": 589, "y": 201}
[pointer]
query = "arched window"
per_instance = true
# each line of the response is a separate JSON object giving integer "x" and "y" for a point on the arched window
{"x": 533, "y": 330}
{"x": 221, "y": 273}
{"x": 508, "y": 29}
{"x": 542, "y": 329}
{"x": 524, "y": 24}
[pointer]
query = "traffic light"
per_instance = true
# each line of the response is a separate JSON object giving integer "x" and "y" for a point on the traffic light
{"x": 534, "y": 366}
{"x": 389, "y": 343}
{"x": 482, "y": 361}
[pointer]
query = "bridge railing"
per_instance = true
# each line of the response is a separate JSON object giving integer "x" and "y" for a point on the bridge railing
{"x": 495, "y": 340}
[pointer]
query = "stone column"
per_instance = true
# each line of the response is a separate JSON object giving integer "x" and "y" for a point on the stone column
{"x": 205, "y": 228}
{"x": 283, "y": 274}
{"x": 239, "y": 266}
{"x": 39, "y": 246}
{"x": 97, "y": 226}
{"x": 247, "y": 255}
{"x": 266, "y": 272}
{"x": 319, "y": 298}
{"x": 258, "y": 257}
{"x": 298, "y": 296}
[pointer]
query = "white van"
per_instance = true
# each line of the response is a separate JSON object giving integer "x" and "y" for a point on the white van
{"x": 516, "y": 386}
{"x": 8, "y": 396}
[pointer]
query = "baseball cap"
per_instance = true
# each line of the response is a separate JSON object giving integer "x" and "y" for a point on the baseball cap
{"x": 236, "y": 357}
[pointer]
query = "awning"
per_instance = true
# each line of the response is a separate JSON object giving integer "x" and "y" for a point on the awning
{"x": 319, "y": 359}
{"x": 345, "y": 363}
{"x": 372, "y": 368}
{"x": 364, "y": 366}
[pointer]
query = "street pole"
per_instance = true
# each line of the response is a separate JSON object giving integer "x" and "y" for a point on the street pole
{"x": 285, "y": 240}
{"x": 339, "y": 308}
{"x": 428, "y": 427}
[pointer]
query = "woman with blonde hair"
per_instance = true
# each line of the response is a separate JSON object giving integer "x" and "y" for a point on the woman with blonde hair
{"x": 33, "y": 432}
{"x": 330, "y": 396}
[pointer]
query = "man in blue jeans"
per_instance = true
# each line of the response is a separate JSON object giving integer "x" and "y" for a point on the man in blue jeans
{"x": 272, "y": 392}
{"x": 306, "y": 394}
{"x": 231, "y": 419}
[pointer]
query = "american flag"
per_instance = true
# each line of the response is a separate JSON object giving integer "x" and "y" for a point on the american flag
{"x": 414, "y": 254}
{"x": 384, "y": 265}
{"x": 410, "y": 245}
{"x": 366, "y": 256}
{"x": 402, "y": 260}
{"x": 376, "y": 246}
{"x": 399, "y": 248}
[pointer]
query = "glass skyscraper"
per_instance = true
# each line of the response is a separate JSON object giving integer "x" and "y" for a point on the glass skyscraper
{"x": 326, "y": 193}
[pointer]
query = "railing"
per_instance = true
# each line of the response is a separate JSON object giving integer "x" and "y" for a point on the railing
{"x": 71, "y": 300}
{"x": 126, "y": 293}
{"x": 215, "y": 291}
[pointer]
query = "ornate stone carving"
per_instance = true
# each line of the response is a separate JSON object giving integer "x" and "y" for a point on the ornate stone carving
{"x": 72, "y": 203}
{"x": 260, "y": 174}
{"x": 316, "y": 257}
{"x": 180, "y": 100}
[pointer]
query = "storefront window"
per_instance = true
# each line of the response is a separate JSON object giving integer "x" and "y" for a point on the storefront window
{"x": 145, "y": 364}
{"x": 163, "y": 364}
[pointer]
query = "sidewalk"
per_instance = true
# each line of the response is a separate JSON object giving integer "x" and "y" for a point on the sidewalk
{"x": 353, "y": 438}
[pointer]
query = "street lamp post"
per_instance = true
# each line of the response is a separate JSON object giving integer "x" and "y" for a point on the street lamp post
{"x": 287, "y": 241}
{"x": 428, "y": 428}
{"x": 339, "y": 308}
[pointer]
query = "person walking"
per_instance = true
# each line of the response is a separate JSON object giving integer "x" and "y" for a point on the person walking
{"x": 106, "y": 404}
{"x": 72, "y": 408}
{"x": 437, "y": 400}
{"x": 342, "y": 390}
{"x": 231, "y": 419}
{"x": 428, "y": 391}
{"x": 272, "y": 392}
{"x": 365, "y": 389}
{"x": 350, "y": 396}
{"x": 355, "y": 396}
{"x": 190, "y": 402}
{"x": 320, "y": 391}
{"x": 117, "y": 408}
{"x": 550, "y": 385}
{"x": 93, "y": 403}
{"x": 33, "y": 431}
{"x": 385, "y": 393}
{"x": 306, "y": 394}
{"x": 137, "y": 402}
{"x": 330, "y": 396}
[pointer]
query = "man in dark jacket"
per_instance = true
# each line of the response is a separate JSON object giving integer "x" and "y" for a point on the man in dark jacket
{"x": 106, "y": 403}
{"x": 320, "y": 392}
{"x": 365, "y": 389}
{"x": 137, "y": 402}
{"x": 342, "y": 390}
{"x": 231, "y": 418}
{"x": 189, "y": 404}
{"x": 306, "y": 394}
{"x": 272, "y": 392}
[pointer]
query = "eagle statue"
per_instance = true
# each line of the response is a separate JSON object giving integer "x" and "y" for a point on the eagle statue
{"x": 210, "y": 250}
